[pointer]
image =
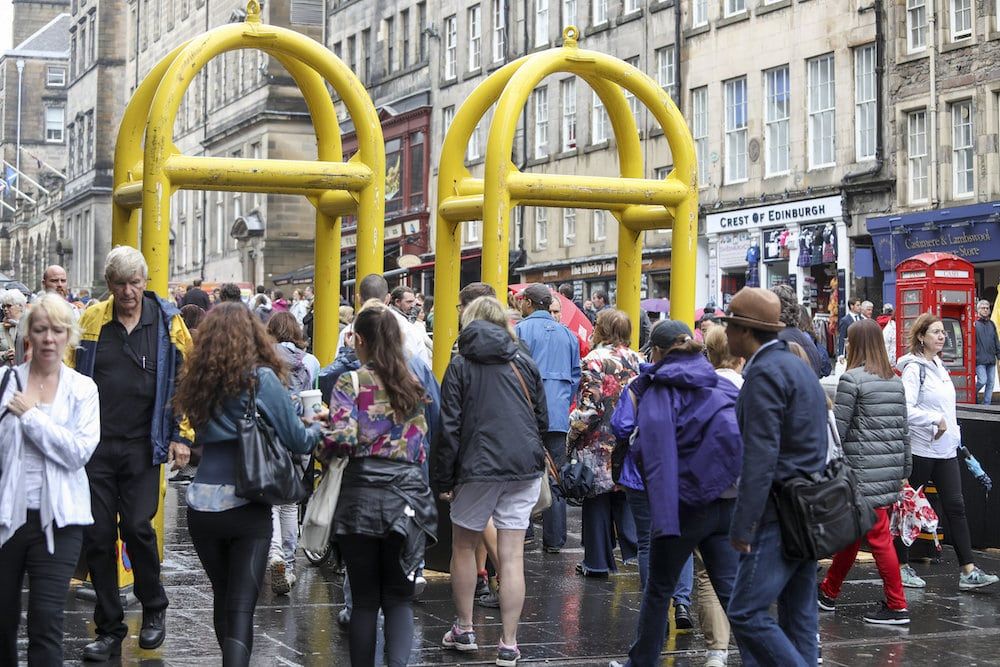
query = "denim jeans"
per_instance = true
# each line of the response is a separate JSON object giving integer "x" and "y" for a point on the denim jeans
{"x": 607, "y": 520}
{"x": 705, "y": 527}
{"x": 554, "y": 518}
{"x": 985, "y": 374}
{"x": 638, "y": 501}
{"x": 765, "y": 575}
{"x": 284, "y": 534}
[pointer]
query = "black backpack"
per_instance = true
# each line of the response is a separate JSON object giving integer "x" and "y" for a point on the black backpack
{"x": 822, "y": 513}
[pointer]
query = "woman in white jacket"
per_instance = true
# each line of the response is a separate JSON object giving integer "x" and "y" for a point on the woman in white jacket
{"x": 934, "y": 442}
{"x": 49, "y": 427}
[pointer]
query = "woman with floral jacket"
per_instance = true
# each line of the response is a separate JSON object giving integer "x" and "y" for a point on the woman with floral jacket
{"x": 606, "y": 370}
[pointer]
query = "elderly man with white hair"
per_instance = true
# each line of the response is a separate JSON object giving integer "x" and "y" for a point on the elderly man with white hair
{"x": 987, "y": 351}
{"x": 13, "y": 303}
{"x": 132, "y": 345}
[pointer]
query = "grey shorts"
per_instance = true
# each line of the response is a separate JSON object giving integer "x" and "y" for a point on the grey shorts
{"x": 509, "y": 503}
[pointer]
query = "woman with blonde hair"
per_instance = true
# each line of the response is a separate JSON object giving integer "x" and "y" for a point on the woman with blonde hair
{"x": 934, "y": 441}
{"x": 49, "y": 428}
{"x": 870, "y": 412}
{"x": 487, "y": 461}
{"x": 606, "y": 516}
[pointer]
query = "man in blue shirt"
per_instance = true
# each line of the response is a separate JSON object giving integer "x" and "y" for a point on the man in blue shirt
{"x": 557, "y": 354}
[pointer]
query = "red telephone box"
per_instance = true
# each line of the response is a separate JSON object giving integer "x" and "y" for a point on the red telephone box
{"x": 942, "y": 284}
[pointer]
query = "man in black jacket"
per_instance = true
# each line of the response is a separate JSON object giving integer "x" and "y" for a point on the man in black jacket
{"x": 987, "y": 352}
{"x": 853, "y": 315}
{"x": 782, "y": 415}
{"x": 197, "y": 296}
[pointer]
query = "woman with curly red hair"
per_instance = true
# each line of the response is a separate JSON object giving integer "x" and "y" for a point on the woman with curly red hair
{"x": 232, "y": 354}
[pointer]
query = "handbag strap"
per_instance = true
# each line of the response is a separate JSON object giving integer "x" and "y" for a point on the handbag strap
{"x": 3, "y": 387}
{"x": 251, "y": 410}
{"x": 550, "y": 463}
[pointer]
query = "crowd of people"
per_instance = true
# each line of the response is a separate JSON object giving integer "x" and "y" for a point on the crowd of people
{"x": 670, "y": 450}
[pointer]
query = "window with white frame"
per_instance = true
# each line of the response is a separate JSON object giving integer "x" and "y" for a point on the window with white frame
{"x": 962, "y": 154}
{"x": 569, "y": 227}
{"x": 633, "y": 101}
{"x": 916, "y": 149}
{"x": 599, "y": 232}
{"x": 822, "y": 109}
{"x": 54, "y": 123}
{"x": 517, "y": 227}
{"x": 699, "y": 13}
{"x": 450, "y": 47}
{"x": 55, "y": 76}
{"x": 699, "y": 131}
{"x": 665, "y": 71}
{"x": 541, "y": 22}
{"x": 474, "y": 150}
{"x": 567, "y": 88}
{"x": 473, "y": 232}
{"x": 541, "y": 122}
{"x": 599, "y": 121}
{"x": 475, "y": 38}
{"x": 447, "y": 116}
{"x": 499, "y": 30}
{"x": 865, "y": 110}
{"x": 961, "y": 19}
{"x": 631, "y": 6}
{"x": 599, "y": 12}
{"x": 736, "y": 130}
{"x": 569, "y": 12}
{"x": 777, "y": 110}
{"x": 734, "y": 7}
{"x": 916, "y": 25}
{"x": 541, "y": 228}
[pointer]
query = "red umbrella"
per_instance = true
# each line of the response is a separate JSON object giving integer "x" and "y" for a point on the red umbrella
{"x": 572, "y": 317}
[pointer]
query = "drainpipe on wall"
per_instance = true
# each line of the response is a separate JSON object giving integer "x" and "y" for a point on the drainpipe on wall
{"x": 204, "y": 131}
{"x": 879, "y": 95}
{"x": 932, "y": 106}
{"x": 679, "y": 94}
{"x": 17, "y": 155}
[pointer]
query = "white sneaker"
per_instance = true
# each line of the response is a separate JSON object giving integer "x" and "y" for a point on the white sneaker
{"x": 716, "y": 658}
{"x": 910, "y": 578}
{"x": 291, "y": 579}
{"x": 976, "y": 579}
{"x": 419, "y": 584}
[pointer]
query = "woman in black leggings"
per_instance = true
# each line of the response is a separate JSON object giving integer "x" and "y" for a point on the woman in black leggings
{"x": 385, "y": 514}
{"x": 232, "y": 535}
{"x": 934, "y": 441}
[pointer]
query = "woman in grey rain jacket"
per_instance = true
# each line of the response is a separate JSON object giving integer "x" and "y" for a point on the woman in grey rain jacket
{"x": 870, "y": 412}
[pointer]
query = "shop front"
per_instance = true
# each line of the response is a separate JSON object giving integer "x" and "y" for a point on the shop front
{"x": 802, "y": 243}
{"x": 590, "y": 274}
{"x": 971, "y": 232}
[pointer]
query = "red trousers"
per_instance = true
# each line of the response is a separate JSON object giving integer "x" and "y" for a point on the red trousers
{"x": 886, "y": 561}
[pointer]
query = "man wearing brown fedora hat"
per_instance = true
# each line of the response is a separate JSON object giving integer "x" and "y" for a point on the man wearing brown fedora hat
{"x": 782, "y": 416}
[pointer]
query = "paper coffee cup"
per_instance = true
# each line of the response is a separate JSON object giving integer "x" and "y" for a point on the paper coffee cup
{"x": 312, "y": 401}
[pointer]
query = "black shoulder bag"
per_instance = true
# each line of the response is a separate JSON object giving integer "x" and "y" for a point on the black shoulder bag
{"x": 267, "y": 472}
{"x": 822, "y": 513}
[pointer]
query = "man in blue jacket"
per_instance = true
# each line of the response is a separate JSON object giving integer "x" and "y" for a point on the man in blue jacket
{"x": 556, "y": 352}
{"x": 783, "y": 421}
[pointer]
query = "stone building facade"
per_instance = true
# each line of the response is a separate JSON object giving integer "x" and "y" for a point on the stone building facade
{"x": 943, "y": 78}
{"x": 97, "y": 65}
{"x": 33, "y": 81}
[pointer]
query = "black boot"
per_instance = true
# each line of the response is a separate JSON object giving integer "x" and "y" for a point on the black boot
{"x": 682, "y": 617}
{"x": 154, "y": 628}
{"x": 102, "y": 649}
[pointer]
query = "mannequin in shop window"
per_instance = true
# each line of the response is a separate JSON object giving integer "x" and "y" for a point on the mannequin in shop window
{"x": 829, "y": 244}
{"x": 753, "y": 264}
{"x": 805, "y": 248}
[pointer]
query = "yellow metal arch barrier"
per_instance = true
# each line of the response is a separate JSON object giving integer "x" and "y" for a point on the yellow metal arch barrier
{"x": 638, "y": 204}
{"x": 149, "y": 168}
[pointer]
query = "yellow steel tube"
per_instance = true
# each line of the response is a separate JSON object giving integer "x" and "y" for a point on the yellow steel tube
{"x": 460, "y": 209}
{"x": 281, "y": 176}
{"x": 448, "y": 240}
{"x": 560, "y": 189}
{"x": 128, "y": 150}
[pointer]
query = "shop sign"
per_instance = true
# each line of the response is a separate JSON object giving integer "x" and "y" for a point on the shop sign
{"x": 732, "y": 249}
{"x": 785, "y": 213}
{"x": 593, "y": 268}
{"x": 392, "y": 232}
{"x": 979, "y": 242}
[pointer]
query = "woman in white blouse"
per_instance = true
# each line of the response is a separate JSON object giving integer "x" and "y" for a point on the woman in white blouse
{"x": 49, "y": 427}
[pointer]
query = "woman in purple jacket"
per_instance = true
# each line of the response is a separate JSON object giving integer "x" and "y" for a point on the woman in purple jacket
{"x": 687, "y": 452}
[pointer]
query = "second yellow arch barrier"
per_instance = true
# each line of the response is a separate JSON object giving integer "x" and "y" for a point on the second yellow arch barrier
{"x": 637, "y": 203}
